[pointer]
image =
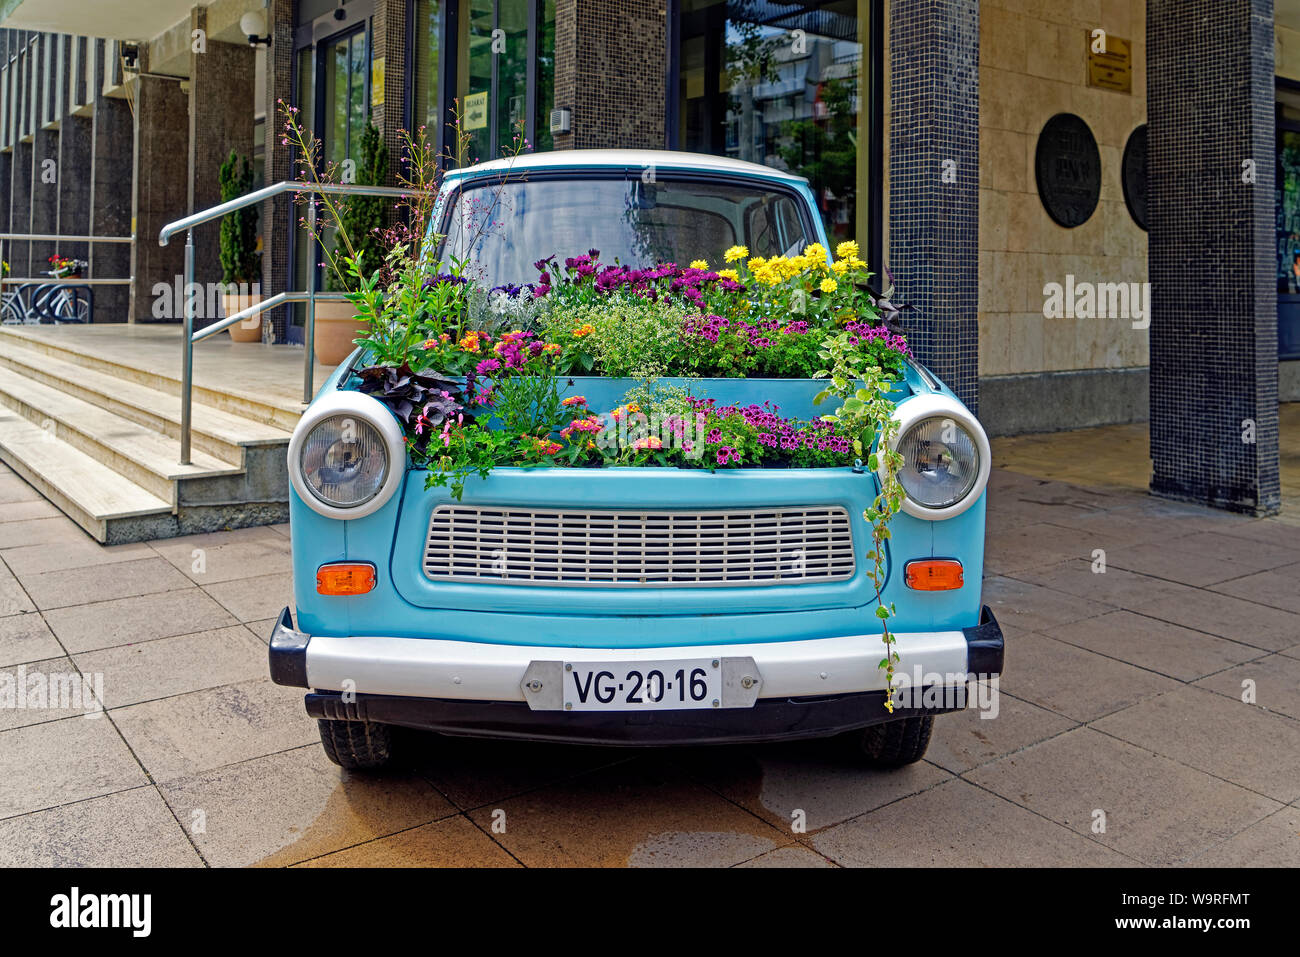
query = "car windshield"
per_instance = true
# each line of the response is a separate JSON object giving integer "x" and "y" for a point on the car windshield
{"x": 502, "y": 228}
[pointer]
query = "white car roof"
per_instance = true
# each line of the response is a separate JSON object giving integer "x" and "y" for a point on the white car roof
{"x": 640, "y": 159}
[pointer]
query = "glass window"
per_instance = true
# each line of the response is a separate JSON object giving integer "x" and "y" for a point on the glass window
{"x": 630, "y": 222}
{"x": 428, "y": 59}
{"x": 498, "y": 45}
{"x": 782, "y": 84}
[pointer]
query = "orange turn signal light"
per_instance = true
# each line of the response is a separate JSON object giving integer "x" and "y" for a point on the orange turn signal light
{"x": 345, "y": 578}
{"x": 933, "y": 574}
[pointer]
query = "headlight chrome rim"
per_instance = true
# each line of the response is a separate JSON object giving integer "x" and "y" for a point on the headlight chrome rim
{"x": 372, "y": 414}
{"x": 916, "y": 410}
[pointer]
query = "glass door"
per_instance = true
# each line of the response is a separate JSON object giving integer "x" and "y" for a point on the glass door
{"x": 334, "y": 96}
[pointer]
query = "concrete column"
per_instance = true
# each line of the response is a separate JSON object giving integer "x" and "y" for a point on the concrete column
{"x": 277, "y": 214}
{"x": 609, "y": 72}
{"x": 161, "y": 159}
{"x": 112, "y": 175}
{"x": 20, "y": 209}
{"x": 221, "y": 119}
{"x": 1210, "y": 201}
{"x": 45, "y": 196}
{"x": 74, "y": 182}
{"x": 933, "y": 225}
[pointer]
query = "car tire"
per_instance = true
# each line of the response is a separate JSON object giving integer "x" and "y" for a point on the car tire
{"x": 356, "y": 745}
{"x": 892, "y": 744}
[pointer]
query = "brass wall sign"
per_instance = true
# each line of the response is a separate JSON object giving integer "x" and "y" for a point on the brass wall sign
{"x": 1111, "y": 69}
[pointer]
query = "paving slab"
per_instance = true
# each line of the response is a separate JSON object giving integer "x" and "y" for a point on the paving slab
{"x": 1248, "y": 622}
{"x": 170, "y": 666}
{"x": 25, "y": 638}
{"x": 40, "y": 691}
{"x": 1273, "y": 682}
{"x": 131, "y": 828}
{"x": 1157, "y": 810}
{"x": 959, "y": 825}
{"x": 76, "y": 586}
{"x": 295, "y": 805}
{"x": 1113, "y": 587}
{"x": 453, "y": 842}
{"x": 59, "y": 762}
{"x": 13, "y": 597}
{"x": 585, "y": 822}
{"x": 810, "y": 783}
{"x": 1272, "y": 842}
{"x": 1202, "y": 558}
{"x": 965, "y": 739}
{"x": 206, "y": 560}
{"x": 1277, "y": 588}
{"x": 38, "y": 529}
{"x": 203, "y": 730}
{"x": 1073, "y": 681}
{"x": 1022, "y": 605}
{"x": 1155, "y": 645}
{"x": 1208, "y": 731}
{"x": 140, "y": 618}
{"x": 253, "y": 599}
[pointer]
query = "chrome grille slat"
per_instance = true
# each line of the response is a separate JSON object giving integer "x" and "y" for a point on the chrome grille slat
{"x": 583, "y": 547}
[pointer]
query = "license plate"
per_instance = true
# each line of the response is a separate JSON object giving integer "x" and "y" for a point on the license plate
{"x": 679, "y": 685}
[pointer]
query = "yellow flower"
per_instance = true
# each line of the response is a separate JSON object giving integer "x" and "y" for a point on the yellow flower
{"x": 736, "y": 253}
{"x": 847, "y": 250}
{"x": 815, "y": 252}
{"x": 700, "y": 264}
{"x": 729, "y": 274}
{"x": 840, "y": 267}
{"x": 758, "y": 262}
{"x": 828, "y": 285}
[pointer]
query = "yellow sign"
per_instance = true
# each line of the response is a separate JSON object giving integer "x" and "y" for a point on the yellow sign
{"x": 1112, "y": 68}
{"x": 377, "y": 81}
{"x": 476, "y": 111}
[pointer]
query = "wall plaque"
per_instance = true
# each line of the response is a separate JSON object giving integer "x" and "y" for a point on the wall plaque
{"x": 1133, "y": 173}
{"x": 1067, "y": 167}
{"x": 1111, "y": 69}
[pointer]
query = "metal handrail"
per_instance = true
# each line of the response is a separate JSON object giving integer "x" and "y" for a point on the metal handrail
{"x": 310, "y": 296}
{"x": 56, "y": 237}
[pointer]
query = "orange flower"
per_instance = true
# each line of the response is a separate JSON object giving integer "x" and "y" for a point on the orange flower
{"x": 470, "y": 342}
{"x": 575, "y": 400}
{"x": 585, "y": 329}
{"x": 651, "y": 442}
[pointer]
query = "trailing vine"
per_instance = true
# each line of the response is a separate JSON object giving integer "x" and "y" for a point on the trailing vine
{"x": 866, "y": 413}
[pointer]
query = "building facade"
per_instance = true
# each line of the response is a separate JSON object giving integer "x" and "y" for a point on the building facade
{"x": 1037, "y": 176}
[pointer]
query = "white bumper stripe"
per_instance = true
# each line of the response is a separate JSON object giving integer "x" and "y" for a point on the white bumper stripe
{"x": 437, "y": 668}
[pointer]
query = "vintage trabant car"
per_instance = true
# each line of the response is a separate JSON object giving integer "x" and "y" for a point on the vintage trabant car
{"x": 631, "y": 606}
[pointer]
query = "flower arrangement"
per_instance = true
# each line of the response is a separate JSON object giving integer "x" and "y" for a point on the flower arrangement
{"x": 61, "y": 267}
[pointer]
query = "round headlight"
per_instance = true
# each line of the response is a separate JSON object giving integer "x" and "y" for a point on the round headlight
{"x": 941, "y": 462}
{"x": 344, "y": 461}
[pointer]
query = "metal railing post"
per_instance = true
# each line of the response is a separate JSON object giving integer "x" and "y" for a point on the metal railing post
{"x": 309, "y": 329}
{"x": 187, "y": 364}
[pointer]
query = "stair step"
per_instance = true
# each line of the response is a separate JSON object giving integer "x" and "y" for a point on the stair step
{"x": 109, "y": 506}
{"x": 147, "y": 458}
{"x": 222, "y": 434}
{"x": 280, "y": 412}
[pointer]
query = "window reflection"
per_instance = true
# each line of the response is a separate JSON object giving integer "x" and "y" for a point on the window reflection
{"x": 781, "y": 84}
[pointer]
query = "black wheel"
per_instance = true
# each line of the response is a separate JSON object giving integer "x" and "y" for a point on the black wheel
{"x": 356, "y": 745}
{"x": 892, "y": 744}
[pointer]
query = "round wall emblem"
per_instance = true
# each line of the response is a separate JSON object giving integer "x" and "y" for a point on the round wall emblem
{"x": 1133, "y": 173}
{"x": 1067, "y": 166}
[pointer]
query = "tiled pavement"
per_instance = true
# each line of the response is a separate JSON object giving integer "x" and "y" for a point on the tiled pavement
{"x": 1123, "y": 697}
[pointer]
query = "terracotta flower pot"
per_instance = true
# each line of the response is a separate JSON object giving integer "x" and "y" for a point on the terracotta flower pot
{"x": 246, "y": 330}
{"x": 336, "y": 327}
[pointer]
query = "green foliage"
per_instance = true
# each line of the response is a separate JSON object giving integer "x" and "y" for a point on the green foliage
{"x": 240, "y": 260}
{"x": 624, "y": 337}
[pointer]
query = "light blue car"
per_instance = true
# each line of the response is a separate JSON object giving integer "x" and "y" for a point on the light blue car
{"x": 632, "y": 606}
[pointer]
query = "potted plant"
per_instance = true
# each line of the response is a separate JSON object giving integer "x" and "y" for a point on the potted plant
{"x": 241, "y": 263}
{"x": 361, "y": 219}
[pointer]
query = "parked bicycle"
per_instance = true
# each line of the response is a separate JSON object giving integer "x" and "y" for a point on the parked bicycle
{"x": 49, "y": 302}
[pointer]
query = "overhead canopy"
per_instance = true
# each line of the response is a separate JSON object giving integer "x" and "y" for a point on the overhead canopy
{"x": 116, "y": 20}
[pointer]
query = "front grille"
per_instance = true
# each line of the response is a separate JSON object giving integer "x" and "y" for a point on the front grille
{"x": 784, "y": 546}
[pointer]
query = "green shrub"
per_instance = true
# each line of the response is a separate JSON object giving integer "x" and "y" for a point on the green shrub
{"x": 240, "y": 260}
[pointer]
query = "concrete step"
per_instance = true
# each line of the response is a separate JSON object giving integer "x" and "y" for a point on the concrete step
{"x": 281, "y": 413}
{"x": 222, "y": 434}
{"x": 109, "y": 506}
{"x": 147, "y": 458}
